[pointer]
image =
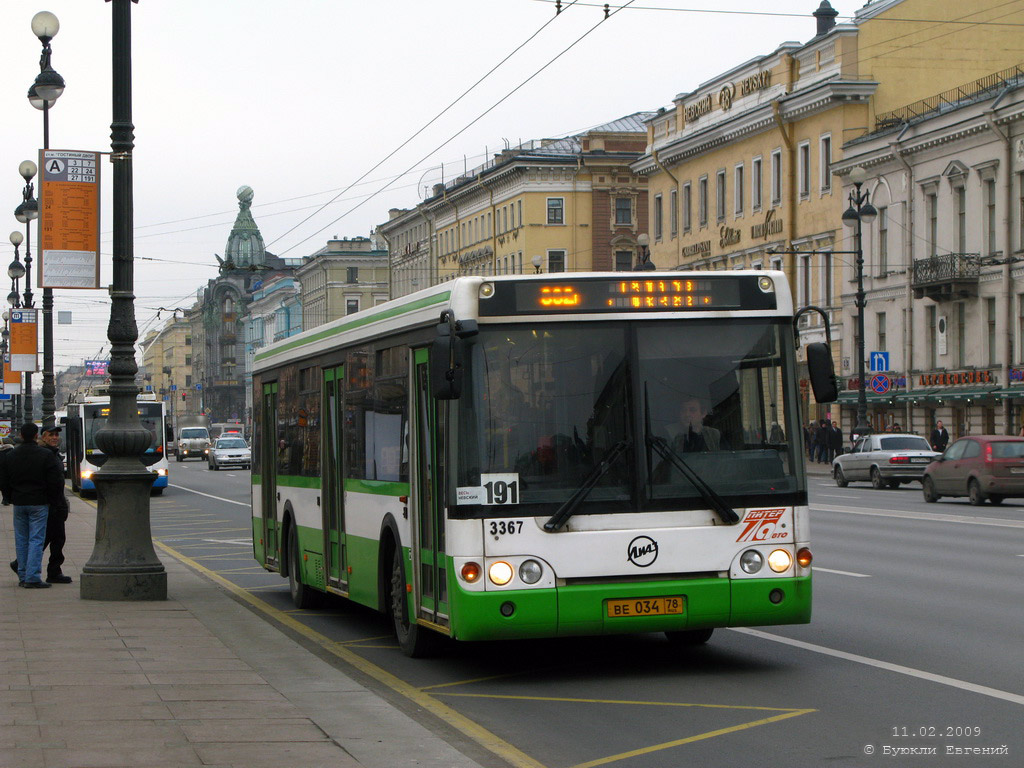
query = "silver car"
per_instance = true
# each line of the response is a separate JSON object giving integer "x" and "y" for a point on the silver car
{"x": 230, "y": 452}
{"x": 886, "y": 460}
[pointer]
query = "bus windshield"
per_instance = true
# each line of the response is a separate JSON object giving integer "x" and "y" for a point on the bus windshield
{"x": 547, "y": 405}
{"x": 150, "y": 415}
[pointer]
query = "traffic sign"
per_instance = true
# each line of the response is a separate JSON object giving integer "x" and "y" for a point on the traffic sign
{"x": 880, "y": 383}
{"x": 879, "y": 361}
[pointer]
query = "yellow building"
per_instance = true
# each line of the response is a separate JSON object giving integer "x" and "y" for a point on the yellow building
{"x": 167, "y": 360}
{"x": 554, "y": 205}
{"x": 740, "y": 169}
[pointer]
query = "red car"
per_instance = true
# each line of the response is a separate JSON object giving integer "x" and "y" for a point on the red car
{"x": 979, "y": 467}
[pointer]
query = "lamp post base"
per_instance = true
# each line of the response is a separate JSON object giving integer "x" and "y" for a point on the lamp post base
{"x": 123, "y": 565}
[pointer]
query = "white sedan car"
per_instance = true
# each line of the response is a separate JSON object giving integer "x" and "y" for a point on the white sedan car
{"x": 229, "y": 452}
{"x": 886, "y": 460}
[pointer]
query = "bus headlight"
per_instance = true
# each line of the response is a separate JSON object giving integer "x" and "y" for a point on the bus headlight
{"x": 86, "y": 474}
{"x": 766, "y": 285}
{"x": 500, "y": 573}
{"x": 780, "y": 560}
{"x": 751, "y": 561}
{"x": 161, "y": 472}
{"x": 530, "y": 571}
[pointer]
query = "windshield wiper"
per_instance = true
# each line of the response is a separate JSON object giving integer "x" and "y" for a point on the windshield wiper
{"x": 667, "y": 452}
{"x": 569, "y": 507}
{"x": 710, "y": 496}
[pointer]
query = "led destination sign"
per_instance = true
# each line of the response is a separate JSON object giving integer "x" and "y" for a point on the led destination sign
{"x": 626, "y": 294}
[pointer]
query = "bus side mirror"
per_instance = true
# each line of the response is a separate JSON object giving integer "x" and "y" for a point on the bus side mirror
{"x": 446, "y": 356}
{"x": 822, "y": 372}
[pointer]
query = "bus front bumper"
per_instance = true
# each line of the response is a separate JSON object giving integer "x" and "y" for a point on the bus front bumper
{"x": 584, "y": 609}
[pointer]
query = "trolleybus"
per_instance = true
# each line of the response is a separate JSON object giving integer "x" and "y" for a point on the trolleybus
{"x": 88, "y": 416}
{"x": 544, "y": 455}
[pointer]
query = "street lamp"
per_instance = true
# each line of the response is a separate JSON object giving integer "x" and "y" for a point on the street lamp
{"x": 643, "y": 257}
{"x": 44, "y": 92}
{"x": 123, "y": 564}
{"x": 27, "y": 212}
{"x": 537, "y": 259}
{"x": 860, "y": 212}
{"x": 15, "y": 271}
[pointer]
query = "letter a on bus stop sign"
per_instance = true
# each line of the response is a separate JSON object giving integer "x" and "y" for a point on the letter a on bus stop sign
{"x": 69, "y": 219}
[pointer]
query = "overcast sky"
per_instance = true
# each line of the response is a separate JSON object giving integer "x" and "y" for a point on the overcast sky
{"x": 301, "y": 99}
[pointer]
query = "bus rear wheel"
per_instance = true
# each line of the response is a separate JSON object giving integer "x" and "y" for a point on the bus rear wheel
{"x": 414, "y": 640}
{"x": 689, "y": 637}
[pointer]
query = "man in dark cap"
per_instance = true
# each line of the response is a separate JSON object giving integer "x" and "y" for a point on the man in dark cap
{"x": 32, "y": 478}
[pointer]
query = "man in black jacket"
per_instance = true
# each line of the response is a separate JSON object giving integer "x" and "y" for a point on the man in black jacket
{"x": 31, "y": 477}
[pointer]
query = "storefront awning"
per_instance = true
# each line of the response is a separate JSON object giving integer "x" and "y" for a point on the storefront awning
{"x": 849, "y": 397}
{"x": 914, "y": 394}
{"x": 1008, "y": 393}
{"x": 963, "y": 393}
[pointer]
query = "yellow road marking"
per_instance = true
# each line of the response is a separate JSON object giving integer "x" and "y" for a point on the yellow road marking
{"x": 467, "y": 727}
{"x": 571, "y": 700}
{"x": 691, "y": 739}
{"x": 485, "y": 679}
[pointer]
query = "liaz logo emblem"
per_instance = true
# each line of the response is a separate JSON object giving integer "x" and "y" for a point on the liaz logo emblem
{"x": 643, "y": 550}
{"x": 762, "y": 524}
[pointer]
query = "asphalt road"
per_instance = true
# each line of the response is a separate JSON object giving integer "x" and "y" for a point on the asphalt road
{"x": 915, "y": 644}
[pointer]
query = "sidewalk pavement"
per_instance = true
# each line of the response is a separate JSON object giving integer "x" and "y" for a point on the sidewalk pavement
{"x": 195, "y": 680}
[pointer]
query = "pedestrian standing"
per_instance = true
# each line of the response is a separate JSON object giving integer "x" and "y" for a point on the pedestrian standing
{"x": 31, "y": 478}
{"x": 57, "y": 517}
{"x": 821, "y": 442}
{"x": 939, "y": 438}
{"x": 835, "y": 441}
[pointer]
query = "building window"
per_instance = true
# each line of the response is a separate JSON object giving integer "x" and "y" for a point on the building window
{"x": 990, "y": 318}
{"x": 623, "y": 261}
{"x": 737, "y": 191}
{"x": 933, "y": 224}
{"x": 623, "y": 211}
{"x": 777, "y": 263}
{"x": 188, "y": 359}
{"x": 755, "y": 184}
{"x": 687, "y": 212}
{"x": 556, "y": 210}
{"x": 673, "y": 212}
{"x": 804, "y": 169}
{"x": 805, "y": 280}
{"x": 883, "y": 241}
{"x": 351, "y": 306}
{"x": 657, "y": 217}
{"x": 825, "y": 162}
{"x": 880, "y": 324}
{"x": 352, "y": 274}
{"x": 556, "y": 261}
{"x": 188, "y": 341}
{"x": 960, "y": 194}
{"x": 990, "y": 216}
{"x": 720, "y": 196}
{"x": 702, "y": 201}
{"x": 777, "y": 177}
{"x": 519, "y": 211}
{"x": 1020, "y": 233}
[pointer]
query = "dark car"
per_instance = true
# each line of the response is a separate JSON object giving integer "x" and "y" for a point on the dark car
{"x": 979, "y": 467}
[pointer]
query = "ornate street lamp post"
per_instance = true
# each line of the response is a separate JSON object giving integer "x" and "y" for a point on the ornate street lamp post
{"x": 643, "y": 257}
{"x": 26, "y": 213}
{"x": 44, "y": 92}
{"x": 860, "y": 212}
{"x": 15, "y": 271}
{"x": 123, "y": 565}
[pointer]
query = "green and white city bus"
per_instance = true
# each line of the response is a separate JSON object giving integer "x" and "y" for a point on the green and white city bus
{"x": 544, "y": 455}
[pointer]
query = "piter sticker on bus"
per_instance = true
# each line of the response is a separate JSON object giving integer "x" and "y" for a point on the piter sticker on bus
{"x": 761, "y": 525}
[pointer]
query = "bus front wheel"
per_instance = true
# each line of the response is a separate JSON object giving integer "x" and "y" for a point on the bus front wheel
{"x": 689, "y": 637}
{"x": 414, "y": 640}
{"x": 302, "y": 596}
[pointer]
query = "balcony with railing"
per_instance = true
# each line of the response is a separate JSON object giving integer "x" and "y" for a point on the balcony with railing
{"x": 947, "y": 276}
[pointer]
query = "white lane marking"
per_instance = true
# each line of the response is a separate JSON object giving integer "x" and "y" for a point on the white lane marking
{"x": 844, "y": 573}
{"x": 833, "y": 495}
{"x": 211, "y": 496}
{"x": 239, "y": 542}
{"x": 934, "y": 517}
{"x": 963, "y": 685}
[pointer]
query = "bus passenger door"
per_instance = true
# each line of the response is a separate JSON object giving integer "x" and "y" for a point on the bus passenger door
{"x": 332, "y": 510}
{"x": 268, "y": 473}
{"x": 428, "y": 480}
